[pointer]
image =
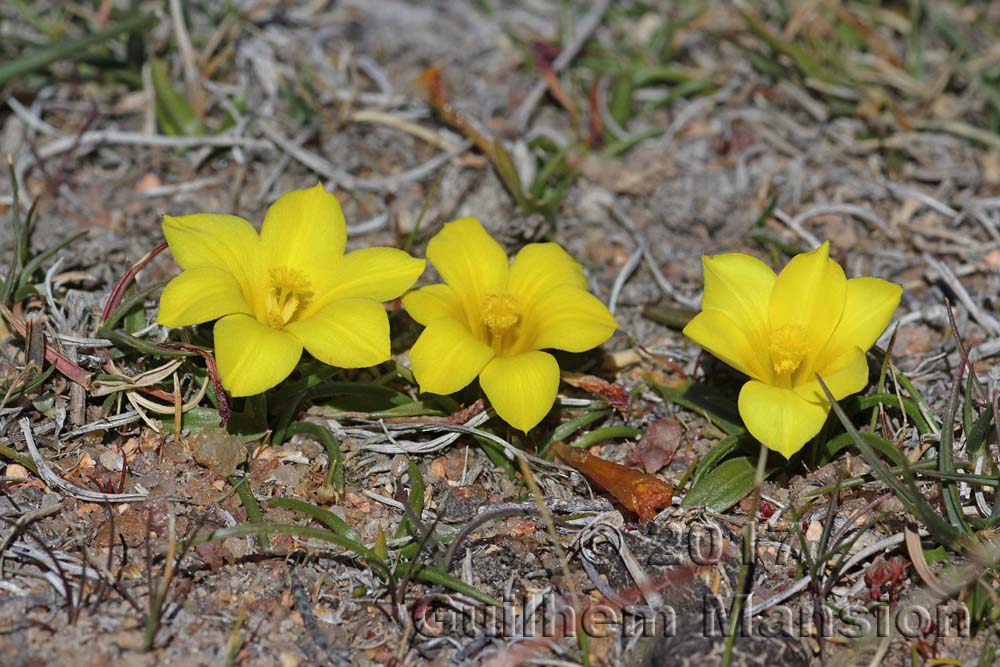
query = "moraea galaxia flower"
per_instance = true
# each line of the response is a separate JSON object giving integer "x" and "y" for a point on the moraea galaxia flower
{"x": 287, "y": 288}
{"x": 492, "y": 318}
{"x": 784, "y": 330}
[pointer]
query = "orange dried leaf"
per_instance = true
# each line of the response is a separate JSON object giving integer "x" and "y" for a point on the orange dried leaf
{"x": 637, "y": 491}
{"x": 613, "y": 393}
{"x": 432, "y": 81}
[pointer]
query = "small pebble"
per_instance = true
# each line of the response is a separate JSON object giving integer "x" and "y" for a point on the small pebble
{"x": 16, "y": 471}
{"x": 110, "y": 460}
{"x": 217, "y": 450}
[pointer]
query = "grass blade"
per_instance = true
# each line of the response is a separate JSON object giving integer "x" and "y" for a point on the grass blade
{"x": 71, "y": 50}
{"x": 907, "y": 493}
{"x": 326, "y": 517}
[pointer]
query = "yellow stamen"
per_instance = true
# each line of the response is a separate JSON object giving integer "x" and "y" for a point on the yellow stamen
{"x": 500, "y": 315}
{"x": 290, "y": 292}
{"x": 789, "y": 346}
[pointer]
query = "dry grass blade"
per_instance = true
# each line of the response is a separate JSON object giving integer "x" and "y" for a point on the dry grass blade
{"x": 873, "y": 125}
{"x": 916, "y": 551}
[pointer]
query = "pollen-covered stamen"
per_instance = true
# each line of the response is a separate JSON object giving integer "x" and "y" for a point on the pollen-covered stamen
{"x": 290, "y": 292}
{"x": 500, "y": 315}
{"x": 789, "y": 346}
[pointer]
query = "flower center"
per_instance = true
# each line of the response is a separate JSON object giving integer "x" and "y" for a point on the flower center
{"x": 789, "y": 347}
{"x": 290, "y": 292}
{"x": 500, "y": 315}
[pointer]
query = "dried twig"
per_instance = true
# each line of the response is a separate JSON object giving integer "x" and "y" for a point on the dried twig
{"x": 651, "y": 262}
{"x": 947, "y": 276}
{"x": 53, "y": 480}
{"x": 89, "y": 140}
{"x": 337, "y": 178}
{"x": 192, "y": 79}
{"x": 22, "y": 522}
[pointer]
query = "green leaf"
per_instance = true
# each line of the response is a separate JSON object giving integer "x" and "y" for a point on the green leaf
{"x": 674, "y": 317}
{"x": 707, "y": 401}
{"x": 622, "y": 146}
{"x": 357, "y": 397}
{"x": 854, "y": 404}
{"x": 335, "y": 476}
{"x": 134, "y": 320}
{"x": 69, "y": 50}
{"x": 978, "y": 434}
{"x": 326, "y": 517}
{"x": 432, "y": 575}
{"x": 243, "y": 490}
{"x": 679, "y": 91}
{"x": 724, "y": 486}
{"x": 11, "y": 455}
{"x": 907, "y": 492}
{"x": 195, "y": 419}
{"x": 876, "y": 442}
{"x": 606, "y": 433}
{"x": 719, "y": 451}
{"x": 134, "y": 300}
{"x": 10, "y": 394}
{"x": 124, "y": 340}
{"x": 806, "y": 62}
{"x": 416, "y": 500}
{"x": 918, "y": 398}
{"x": 620, "y": 99}
{"x": 497, "y": 455}
{"x": 255, "y": 529}
{"x": 172, "y": 109}
{"x": 246, "y": 426}
{"x": 566, "y": 429}
{"x": 946, "y": 455}
{"x": 22, "y": 237}
{"x": 36, "y": 262}
{"x": 411, "y": 409}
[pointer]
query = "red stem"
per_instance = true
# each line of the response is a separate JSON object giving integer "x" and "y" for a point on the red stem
{"x": 119, "y": 289}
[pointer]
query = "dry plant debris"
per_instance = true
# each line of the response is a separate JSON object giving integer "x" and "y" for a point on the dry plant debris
{"x": 344, "y": 517}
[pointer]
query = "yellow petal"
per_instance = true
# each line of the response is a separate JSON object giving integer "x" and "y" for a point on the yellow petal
{"x": 251, "y": 356}
{"x": 381, "y": 274}
{"x": 779, "y": 418}
{"x": 868, "y": 308}
{"x": 472, "y": 264}
{"x": 434, "y": 302}
{"x": 809, "y": 297}
{"x": 715, "y": 332}
{"x": 200, "y": 295}
{"x": 521, "y": 388}
{"x": 304, "y": 230}
{"x": 540, "y": 267}
{"x": 565, "y": 318}
{"x": 349, "y": 333}
{"x": 845, "y": 375}
{"x": 446, "y": 357}
{"x": 740, "y": 286}
{"x": 208, "y": 241}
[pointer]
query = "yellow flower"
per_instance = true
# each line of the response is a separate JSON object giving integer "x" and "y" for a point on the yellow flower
{"x": 492, "y": 318}
{"x": 784, "y": 330}
{"x": 290, "y": 287}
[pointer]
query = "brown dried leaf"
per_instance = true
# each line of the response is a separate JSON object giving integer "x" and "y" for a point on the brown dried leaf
{"x": 613, "y": 393}
{"x": 658, "y": 445}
